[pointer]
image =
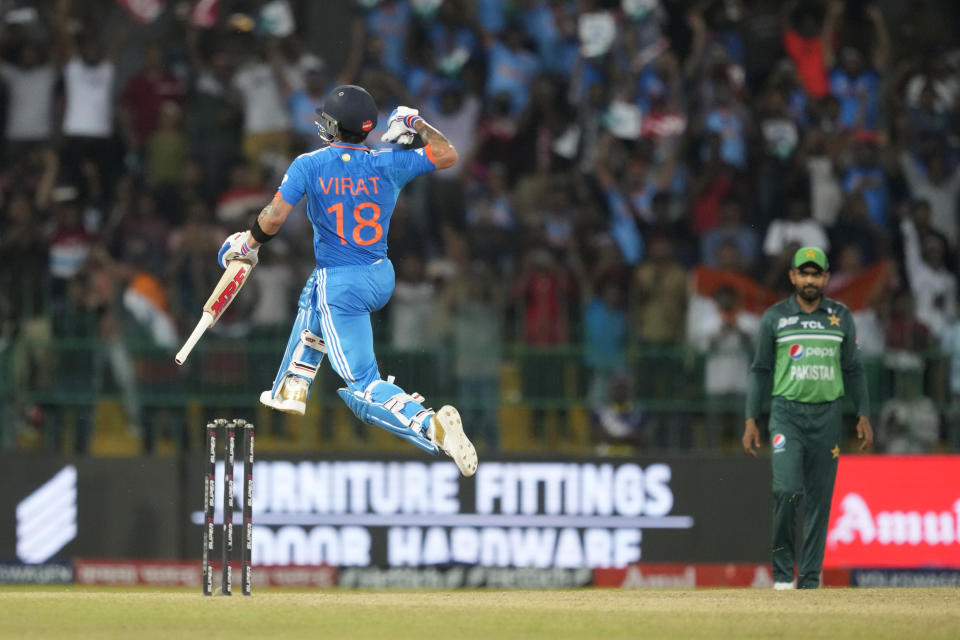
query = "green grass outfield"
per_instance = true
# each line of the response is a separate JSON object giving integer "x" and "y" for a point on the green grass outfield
{"x": 83, "y": 612}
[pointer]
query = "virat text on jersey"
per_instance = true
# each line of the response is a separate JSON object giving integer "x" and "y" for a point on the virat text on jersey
{"x": 345, "y": 185}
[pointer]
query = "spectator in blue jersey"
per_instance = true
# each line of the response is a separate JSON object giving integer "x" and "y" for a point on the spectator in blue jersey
{"x": 385, "y": 22}
{"x": 858, "y": 90}
{"x": 490, "y": 200}
{"x": 605, "y": 336}
{"x": 732, "y": 229}
{"x": 492, "y": 16}
{"x": 552, "y": 27}
{"x": 452, "y": 42}
{"x": 857, "y": 85}
{"x": 866, "y": 177}
{"x": 623, "y": 226}
{"x": 725, "y": 120}
{"x": 303, "y": 105}
{"x": 351, "y": 192}
{"x": 656, "y": 81}
{"x": 511, "y": 69}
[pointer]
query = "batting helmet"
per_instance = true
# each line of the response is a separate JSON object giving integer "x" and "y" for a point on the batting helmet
{"x": 347, "y": 109}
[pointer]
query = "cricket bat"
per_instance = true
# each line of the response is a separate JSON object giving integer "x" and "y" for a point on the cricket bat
{"x": 231, "y": 281}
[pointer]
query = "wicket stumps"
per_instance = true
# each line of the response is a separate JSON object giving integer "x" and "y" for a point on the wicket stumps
{"x": 246, "y": 571}
{"x": 229, "y": 504}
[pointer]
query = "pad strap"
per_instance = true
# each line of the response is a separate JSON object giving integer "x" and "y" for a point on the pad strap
{"x": 313, "y": 341}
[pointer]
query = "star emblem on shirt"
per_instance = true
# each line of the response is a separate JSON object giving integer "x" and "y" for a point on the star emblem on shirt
{"x": 834, "y": 320}
{"x": 835, "y": 452}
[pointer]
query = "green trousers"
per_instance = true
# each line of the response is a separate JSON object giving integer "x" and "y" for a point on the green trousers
{"x": 805, "y": 449}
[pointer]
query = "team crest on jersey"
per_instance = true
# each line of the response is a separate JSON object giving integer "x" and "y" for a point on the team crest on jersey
{"x": 796, "y": 351}
{"x": 779, "y": 442}
{"x": 345, "y": 157}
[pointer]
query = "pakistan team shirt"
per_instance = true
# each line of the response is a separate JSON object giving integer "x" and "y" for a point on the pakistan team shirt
{"x": 812, "y": 357}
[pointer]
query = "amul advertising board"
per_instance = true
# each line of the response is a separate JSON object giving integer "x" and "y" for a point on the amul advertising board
{"x": 895, "y": 511}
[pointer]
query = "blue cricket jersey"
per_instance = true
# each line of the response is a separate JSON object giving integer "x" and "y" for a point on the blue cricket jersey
{"x": 351, "y": 192}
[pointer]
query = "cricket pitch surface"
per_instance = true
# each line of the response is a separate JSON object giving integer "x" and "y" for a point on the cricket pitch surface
{"x": 143, "y": 612}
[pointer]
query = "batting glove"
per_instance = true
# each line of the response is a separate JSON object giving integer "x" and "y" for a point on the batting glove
{"x": 235, "y": 248}
{"x": 401, "y": 126}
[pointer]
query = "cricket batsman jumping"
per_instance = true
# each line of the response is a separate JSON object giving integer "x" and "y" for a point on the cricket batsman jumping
{"x": 351, "y": 192}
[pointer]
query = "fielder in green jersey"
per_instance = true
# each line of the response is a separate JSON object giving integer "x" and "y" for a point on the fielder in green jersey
{"x": 807, "y": 345}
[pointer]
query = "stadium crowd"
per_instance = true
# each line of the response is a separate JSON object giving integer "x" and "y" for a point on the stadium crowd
{"x": 634, "y": 178}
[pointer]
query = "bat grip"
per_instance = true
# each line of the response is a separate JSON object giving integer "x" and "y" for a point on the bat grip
{"x": 205, "y": 321}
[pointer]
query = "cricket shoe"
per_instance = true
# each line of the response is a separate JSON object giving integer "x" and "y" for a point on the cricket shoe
{"x": 784, "y": 586}
{"x": 290, "y": 398}
{"x": 446, "y": 431}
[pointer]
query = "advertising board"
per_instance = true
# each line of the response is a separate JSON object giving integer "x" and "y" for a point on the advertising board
{"x": 576, "y": 514}
{"x": 895, "y": 512}
{"x": 55, "y": 508}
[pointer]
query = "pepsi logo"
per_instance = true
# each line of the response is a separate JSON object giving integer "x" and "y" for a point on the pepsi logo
{"x": 779, "y": 441}
{"x": 796, "y": 351}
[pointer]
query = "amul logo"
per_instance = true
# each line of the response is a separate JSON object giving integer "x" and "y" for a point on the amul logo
{"x": 897, "y": 527}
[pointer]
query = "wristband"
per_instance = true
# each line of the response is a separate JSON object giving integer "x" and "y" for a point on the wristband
{"x": 259, "y": 234}
{"x": 411, "y": 120}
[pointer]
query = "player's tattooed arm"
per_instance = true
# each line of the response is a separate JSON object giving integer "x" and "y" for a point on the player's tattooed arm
{"x": 444, "y": 153}
{"x": 271, "y": 218}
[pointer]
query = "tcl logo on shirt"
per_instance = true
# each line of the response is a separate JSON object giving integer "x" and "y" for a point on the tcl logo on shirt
{"x": 895, "y": 511}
